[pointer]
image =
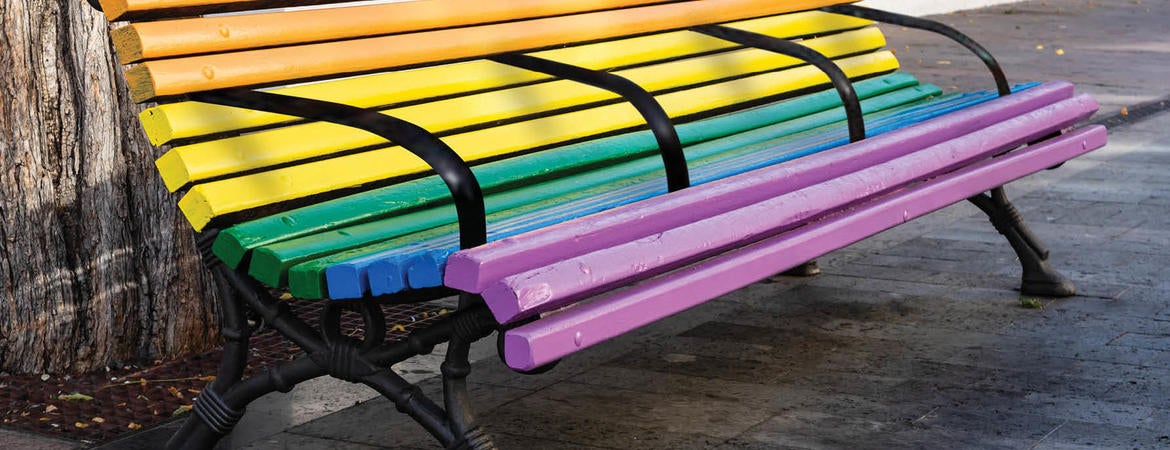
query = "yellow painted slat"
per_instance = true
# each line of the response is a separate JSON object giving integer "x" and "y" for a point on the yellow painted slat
{"x": 178, "y": 76}
{"x": 171, "y": 38}
{"x": 184, "y": 164}
{"x": 208, "y": 200}
{"x": 186, "y": 120}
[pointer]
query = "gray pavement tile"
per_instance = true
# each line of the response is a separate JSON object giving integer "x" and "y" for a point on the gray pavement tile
{"x": 808, "y": 429}
{"x": 991, "y": 423}
{"x": 20, "y": 440}
{"x": 1071, "y": 408}
{"x": 675, "y": 412}
{"x": 1080, "y": 435}
{"x": 615, "y": 418}
{"x": 291, "y": 441}
{"x": 896, "y": 272}
{"x": 378, "y": 423}
{"x": 1156, "y": 239}
{"x": 1129, "y": 301}
{"x": 1158, "y": 422}
{"x": 1150, "y": 341}
{"x": 508, "y": 440}
{"x": 817, "y": 430}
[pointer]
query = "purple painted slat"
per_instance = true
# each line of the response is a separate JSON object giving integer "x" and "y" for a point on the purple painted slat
{"x": 533, "y": 345}
{"x": 474, "y": 269}
{"x": 546, "y": 288}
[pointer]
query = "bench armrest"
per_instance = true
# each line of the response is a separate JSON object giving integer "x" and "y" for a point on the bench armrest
{"x": 454, "y": 171}
{"x": 919, "y": 23}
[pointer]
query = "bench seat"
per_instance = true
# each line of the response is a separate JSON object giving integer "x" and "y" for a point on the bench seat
{"x": 533, "y": 345}
{"x": 543, "y": 270}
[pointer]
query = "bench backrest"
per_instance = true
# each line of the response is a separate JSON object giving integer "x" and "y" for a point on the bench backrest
{"x": 421, "y": 61}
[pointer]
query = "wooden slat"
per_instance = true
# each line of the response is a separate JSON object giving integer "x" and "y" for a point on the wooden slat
{"x": 178, "y": 76}
{"x": 166, "y": 39}
{"x": 185, "y": 120}
{"x": 185, "y": 164}
{"x": 204, "y": 201}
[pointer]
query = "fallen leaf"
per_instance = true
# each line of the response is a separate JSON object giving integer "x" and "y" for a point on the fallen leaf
{"x": 50, "y": 408}
{"x": 1124, "y": 111}
{"x": 80, "y": 424}
{"x": 75, "y": 397}
{"x": 175, "y": 392}
{"x": 181, "y": 410}
{"x": 97, "y": 420}
{"x": 1040, "y": 47}
{"x": 1060, "y": 52}
{"x": 1031, "y": 303}
{"x": 133, "y": 426}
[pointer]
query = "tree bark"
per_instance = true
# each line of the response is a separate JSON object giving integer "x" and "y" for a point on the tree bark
{"x": 96, "y": 266}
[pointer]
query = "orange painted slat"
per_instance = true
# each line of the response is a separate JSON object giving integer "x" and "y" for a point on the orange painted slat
{"x": 268, "y": 66}
{"x": 164, "y": 39}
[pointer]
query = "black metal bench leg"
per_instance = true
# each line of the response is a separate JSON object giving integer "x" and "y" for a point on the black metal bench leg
{"x": 455, "y": 369}
{"x": 1039, "y": 277}
{"x": 213, "y": 418}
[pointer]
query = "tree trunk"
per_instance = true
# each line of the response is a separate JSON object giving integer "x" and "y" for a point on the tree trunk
{"x": 96, "y": 266}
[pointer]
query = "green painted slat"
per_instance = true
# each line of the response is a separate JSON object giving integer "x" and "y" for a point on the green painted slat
{"x": 234, "y": 243}
{"x": 306, "y": 279}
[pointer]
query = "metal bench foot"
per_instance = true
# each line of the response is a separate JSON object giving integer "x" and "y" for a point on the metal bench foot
{"x": 1039, "y": 277}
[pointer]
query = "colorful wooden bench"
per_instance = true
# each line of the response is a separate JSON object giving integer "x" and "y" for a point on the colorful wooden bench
{"x": 571, "y": 170}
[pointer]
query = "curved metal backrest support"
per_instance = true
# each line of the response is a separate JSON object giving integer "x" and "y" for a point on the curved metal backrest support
{"x": 451, "y": 168}
{"x": 785, "y": 47}
{"x": 673, "y": 158}
{"x": 95, "y": 4}
{"x": 1001, "y": 82}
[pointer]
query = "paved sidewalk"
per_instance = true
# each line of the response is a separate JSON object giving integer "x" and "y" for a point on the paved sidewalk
{"x": 913, "y": 339}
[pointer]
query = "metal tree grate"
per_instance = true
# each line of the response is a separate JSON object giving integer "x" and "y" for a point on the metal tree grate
{"x": 100, "y": 406}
